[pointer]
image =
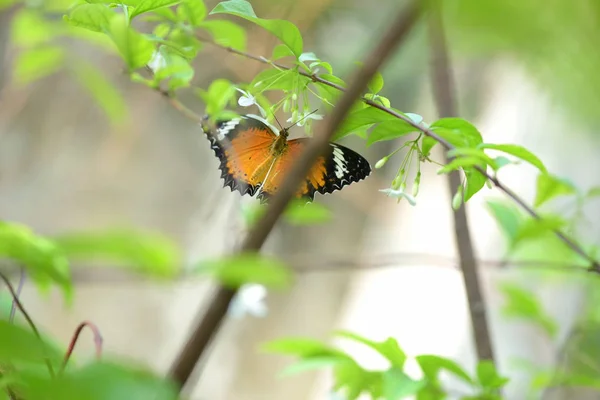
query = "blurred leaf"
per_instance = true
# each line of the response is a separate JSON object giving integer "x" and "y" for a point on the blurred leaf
{"x": 237, "y": 270}
{"x": 37, "y": 63}
{"x": 218, "y": 95}
{"x": 328, "y": 94}
{"x": 171, "y": 66}
{"x": 302, "y": 347}
{"x": 312, "y": 363}
{"x": 298, "y": 213}
{"x": 593, "y": 192}
{"x": 389, "y": 348}
{"x": 432, "y": 365}
{"x": 356, "y": 380}
{"x": 397, "y": 385}
{"x": 135, "y": 49}
{"x": 6, "y": 3}
{"x": 532, "y": 228}
{"x": 280, "y": 51}
{"x": 147, "y": 253}
{"x": 21, "y": 345}
{"x": 376, "y": 83}
{"x": 99, "y": 381}
{"x": 286, "y": 31}
{"x": 522, "y": 304}
{"x": 323, "y": 64}
{"x": 507, "y": 216}
{"x": 550, "y": 186}
{"x": 193, "y": 11}
{"x": 226, "y": 33}
{"x": 184, "y": 43}
{"x": 30, "y": 29}
{"x": 44, "y": 261}
{"x": 488, "y": 376}
{"x": 144, "y": 6}
{"x": 102, "y": 90}
{"x": 94, "y": 17}
{"x": 366, "y": 116}
{"x": 389, "y": 130}
{"x": 517, "y": 151}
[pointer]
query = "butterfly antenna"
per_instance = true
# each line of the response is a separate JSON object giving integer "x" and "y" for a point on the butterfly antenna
{"x": 302, "y": 119}
{"x": 278, "y": 123}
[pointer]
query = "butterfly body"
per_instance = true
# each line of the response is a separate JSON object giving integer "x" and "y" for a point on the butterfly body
{"x": 255, "y": 158}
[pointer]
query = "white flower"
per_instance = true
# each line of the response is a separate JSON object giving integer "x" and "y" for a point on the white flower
{"x": 303, "y": 118}
{"x": 399, "y": 194}
{"x": 157, "y": 62}
{"x": 247, "y": 100}
{"x": 249, "y": 300}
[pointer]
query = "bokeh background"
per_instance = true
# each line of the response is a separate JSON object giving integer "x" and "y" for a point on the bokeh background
{"x": 525, "y": 73}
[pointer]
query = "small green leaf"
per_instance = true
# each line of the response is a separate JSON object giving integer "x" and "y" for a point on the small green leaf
{"x": 302, "y": 347}
{"x": 274, "y": 79}
{"x": 431, "y": 365}
{"x": 465, "y": 151}
{"x": 397, "y": 385}
{"x": 507, "y": 216}
{"x": 522, "y": 304}
{"x": 94, "y": 17}
{"x": 20, "y": 344}
{"x": 286, "y": 31}
{"x": 389, "y": 348}
{"x": 173, "y": 67}
{"x": 102, "y": 90}
{"x": 218, "y": 95}
{"x": 427, "y": 144}
{"x": 312, "y": 363}
{"x": 461, "y": 162}
{"x": 517, "y": 151}
{"x": 366, "y": 116}
{"x": 533, "y": 228}
{"x": 376, "y": 83}
{"x": 192, "y": 11}
{"x": 550, "y": 186}
{"x": 186, "y": 44}
{"x": 323, "y": 64}
{"x": 281, "y": 51}
{"x": 237, "y": 270}
{"x": 475, "y": 182}
{"x": 458, "y": 132}
{"x": 593, "y": 192}
{"x": 298, "y": 213}
{"x": 226, "y": 33}
{"x": 144, "y": 6}
{"x": 37, "y": 63}
{"x": 148, "y": 253}
{"x": 135, "y": 49}
{"x": 389, "y": 130}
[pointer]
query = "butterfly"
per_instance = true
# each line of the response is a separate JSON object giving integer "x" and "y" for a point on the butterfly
{"x": 255, "y": 157}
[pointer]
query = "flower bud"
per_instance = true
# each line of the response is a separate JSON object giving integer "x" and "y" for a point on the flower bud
{"x": 381, "y": 162}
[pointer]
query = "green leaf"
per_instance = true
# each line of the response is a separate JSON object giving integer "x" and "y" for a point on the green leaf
{"x": 475, "y": 182}
{"x": 533, "y": 228}
{"x": 458, "y": 132}
{"x": 376, "y": 83}
{"x": 593, "y": 192}
{"x": 37, "y": 63}
{"x": 98, "y": 381}
{"x": 173, "y": 67}
{"x": 302, "y": 347}
{"x": 43, "y": 260}
{"x": 298, "y": 213}
{"x": 488, "y": 376}
{"x": 431, "y": 365}
{"x": 366, "y": 116}
{"x": 389, "y": 130}
{"x": 356, "y": 380}
{"x": 507, "y": 216}
{"x": 521, "y": 304}
{"x": 94, "y": 17}
{"x": 186, "y": 44}
{"x": 30, "y": 29}
{"x": 328, "y": 94}
{"x": 275, "y": 79}
{"x": 135, "y": 49}
{"x": 465, "y": 151}
{"x": 103, "y": 91}
{"x": 427, "y": 144}
{"x": 21, "y": 345}
{"x": 144, "y": 252}
{"x": 226, "y": 33}
{"x": 517, "y": 151}
{"x": 237, "y": 270}
{"x": 192, "y": 11}
{"x": 461, "y": 162}
{"x": 397, "y": 385}
{"x": 312, "y": 363}
{"x": 281, "y": 51}
{"x": 287, "y": 32}
{"x": 218, "y": 95}
{"x": 389, "y": 348}
{"x": 550, "y": 186}
{"x": 144, "y": 6}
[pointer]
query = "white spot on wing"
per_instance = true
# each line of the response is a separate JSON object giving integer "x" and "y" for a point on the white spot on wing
{"x": 340, "y": 162}
{"x": 227, "y": 127}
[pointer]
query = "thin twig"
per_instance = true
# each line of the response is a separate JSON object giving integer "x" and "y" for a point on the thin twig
{"x": 207, "y": 326}
{"x": 13, "y": 307}
{"x": 446, "y": 105}
{"x": 15, "y": 297}
{"x": 75, "y": 338}
{"x": 594, "y": 264}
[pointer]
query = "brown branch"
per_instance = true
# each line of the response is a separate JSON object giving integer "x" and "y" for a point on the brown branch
{"x": 15, "y": 297}
{"x": 207, "y": 326}
{"x": 575, "y": 247}
{"x": 446, "y": 105}
{"x": 75, "y": 338}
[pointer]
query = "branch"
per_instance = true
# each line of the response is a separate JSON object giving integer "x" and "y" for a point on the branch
{"x": 446, "y": 105}
{"x": 207, "y": 326}
{"x": 594, "y": 264}
{"x": 75, "y": 338}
